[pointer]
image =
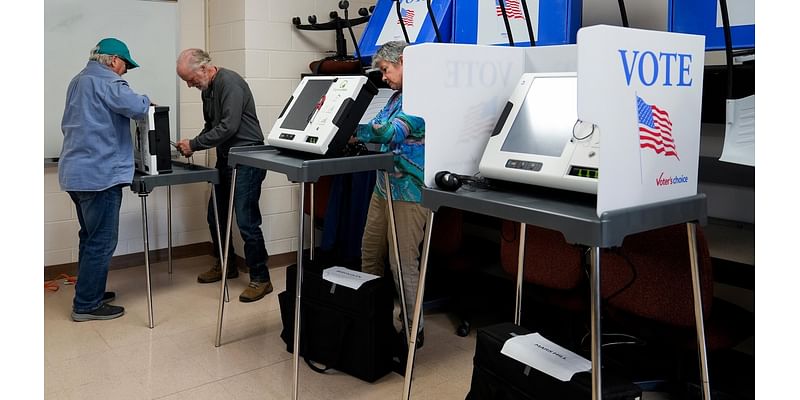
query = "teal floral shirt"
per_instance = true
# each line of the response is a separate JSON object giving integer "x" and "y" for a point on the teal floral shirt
{"x": 403, "y": 135}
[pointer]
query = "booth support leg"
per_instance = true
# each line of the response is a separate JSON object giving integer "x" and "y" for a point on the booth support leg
{"x": 698, "y": 310}
{"x": 520, "y": 270}
{"x": 412, "y": 343}
{"x": 313, "y": 229}
{"x": 145, "y": 238}
{"x": 597, "y": 388}
{"x": 298, "y": 289}
{"x": 393, "y": 230}
{"x": 223, "y": 291}
{"x": 169, "y": 229}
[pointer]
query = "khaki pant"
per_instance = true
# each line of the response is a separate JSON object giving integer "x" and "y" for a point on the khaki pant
{"x": 410, "y": 221}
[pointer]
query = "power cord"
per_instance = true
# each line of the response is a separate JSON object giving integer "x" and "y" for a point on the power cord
{"x": 630, "y": 282}
{"x": 53, "y": 285}
{"x": 631, "y": 339}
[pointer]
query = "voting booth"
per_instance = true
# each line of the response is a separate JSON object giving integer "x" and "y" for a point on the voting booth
{"x": 638, "y": 90}
{"x": 384, "y": 25}
{"x": 703, "y": 17}
{"x": 322, "y": 114}
{"x": 481, "y": 22}
{"x": 152, "y": 148}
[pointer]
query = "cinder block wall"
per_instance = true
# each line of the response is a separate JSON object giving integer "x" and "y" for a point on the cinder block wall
{"x": 256, "y": 39}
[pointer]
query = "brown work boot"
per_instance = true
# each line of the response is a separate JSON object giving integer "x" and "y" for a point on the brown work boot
{"x": 215, "y": 273}
{"x": 255, "y": 291}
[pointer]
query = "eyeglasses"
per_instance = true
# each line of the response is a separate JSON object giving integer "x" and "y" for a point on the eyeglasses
{"x": 127, "y": 64}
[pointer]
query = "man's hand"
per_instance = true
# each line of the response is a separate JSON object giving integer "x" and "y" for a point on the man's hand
{"x": 184, "y": 148}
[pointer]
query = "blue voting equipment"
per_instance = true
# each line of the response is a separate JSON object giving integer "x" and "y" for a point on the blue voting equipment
{"x": 384, "y": 25}
{"x": 703, "y": 17}
{"x": 481, "y": 22}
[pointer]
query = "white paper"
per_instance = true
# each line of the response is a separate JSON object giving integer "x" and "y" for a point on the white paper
{"x": 740, "y": 131}
{"x": 537, "y": 352}
{"x": 376, "y": 105}
{"x": 347, "y": 277}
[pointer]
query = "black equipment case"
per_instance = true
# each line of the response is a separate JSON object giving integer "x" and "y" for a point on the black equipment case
{"x": 341, "y": 328}
{"x": 496, "y": 376}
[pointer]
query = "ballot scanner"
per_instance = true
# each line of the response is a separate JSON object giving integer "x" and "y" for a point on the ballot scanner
{"x": 152, "y": 142}
{"x": 539, "y": 140}
{"x": 322, "y": 114}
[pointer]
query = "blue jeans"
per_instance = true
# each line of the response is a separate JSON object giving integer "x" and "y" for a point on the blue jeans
{"x": 248, "y": 215}
{"x": 98, "y": 215}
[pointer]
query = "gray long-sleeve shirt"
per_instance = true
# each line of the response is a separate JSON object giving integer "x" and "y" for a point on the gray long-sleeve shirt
{"x": 230, "y": 115}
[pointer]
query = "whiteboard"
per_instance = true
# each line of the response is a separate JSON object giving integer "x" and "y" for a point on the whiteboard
{"x": 73, "y": 27}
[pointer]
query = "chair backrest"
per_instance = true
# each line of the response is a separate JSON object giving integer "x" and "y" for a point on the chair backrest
{"x": 650, "y": 275}
{"x": 549, "y": 260}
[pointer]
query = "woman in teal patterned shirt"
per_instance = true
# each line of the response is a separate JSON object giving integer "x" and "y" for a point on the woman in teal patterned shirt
{"x": 403, "y": 135}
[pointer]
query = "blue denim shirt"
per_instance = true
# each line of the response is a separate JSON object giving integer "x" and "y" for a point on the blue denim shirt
{"x": 98, "y": 150}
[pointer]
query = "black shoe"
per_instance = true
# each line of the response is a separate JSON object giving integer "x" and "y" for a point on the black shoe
{"x": 420, "y": 339}
{"x": 108, "y": 297}
{"x": 106, "y": 311}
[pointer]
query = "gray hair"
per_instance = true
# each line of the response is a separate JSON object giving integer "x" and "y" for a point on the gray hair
{"x": 389, "y": 52}
{"x": 194, "y": 58}
{"x": 105, "y": 59}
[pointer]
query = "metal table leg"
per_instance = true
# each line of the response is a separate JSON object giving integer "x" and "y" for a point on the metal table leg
{"x": 298, "y": 289}
{"x": 412, "y": 343}
{"x": 393, "y": 231}
{"x": 698, "y": 310}
{"x": 169, "y": 229}
{"x": 219, "y": 242}
{"x": 597, "y": 389}
{"x": 224, "y": 286}
{"x": 145, "y": 237}
{"x": 313, "y": 229}
{"x": 520, "y": 270}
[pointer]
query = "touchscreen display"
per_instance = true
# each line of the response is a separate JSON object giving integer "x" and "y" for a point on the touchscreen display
{"x": 303, "y": 108}
{"x": 543, "y": 125}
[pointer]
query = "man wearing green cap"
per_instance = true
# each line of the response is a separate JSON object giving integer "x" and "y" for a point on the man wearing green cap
{"x": 96, "y": 163}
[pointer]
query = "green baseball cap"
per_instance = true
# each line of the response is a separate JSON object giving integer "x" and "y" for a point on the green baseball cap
{"x": 116, "y": 47}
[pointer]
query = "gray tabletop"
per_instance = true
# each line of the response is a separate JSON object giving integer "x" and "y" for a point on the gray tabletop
{"x": 306, "y": 167}
{"x": 571, "y": 214}
{"x": 182, "y": 173}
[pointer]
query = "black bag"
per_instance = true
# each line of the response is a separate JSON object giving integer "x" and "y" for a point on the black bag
{"x": 496, "y": 376}
{"x": 340, "y": 328}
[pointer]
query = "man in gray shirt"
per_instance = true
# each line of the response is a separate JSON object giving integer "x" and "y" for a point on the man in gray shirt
{"x": 230, "y": 121}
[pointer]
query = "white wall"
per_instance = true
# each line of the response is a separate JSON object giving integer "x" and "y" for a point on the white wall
{"x": 256, "y": 39}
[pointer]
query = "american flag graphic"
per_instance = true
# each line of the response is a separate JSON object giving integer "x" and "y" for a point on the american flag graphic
{"x": 655, "y": 129}
{"x": 408, "y": 16}
{"x": 513, "y": 9}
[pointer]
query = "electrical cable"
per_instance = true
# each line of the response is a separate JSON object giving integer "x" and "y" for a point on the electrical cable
{"x": 726, "y": 27}
{"x": 581, "y": 138}
{"x": 634, "y": 275}
{"x": 528, "y": 23}
{"x": 633, "y": 339}
{"x": 433, "y": 21}
{"x": 502, "y": 5}
{"x": 400, "y": 21}
{"x": 623, "y": 13}
{"x": 53, "y": 285}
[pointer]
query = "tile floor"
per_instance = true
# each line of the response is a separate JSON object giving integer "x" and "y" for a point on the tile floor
{"x": 124, "y": 359}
